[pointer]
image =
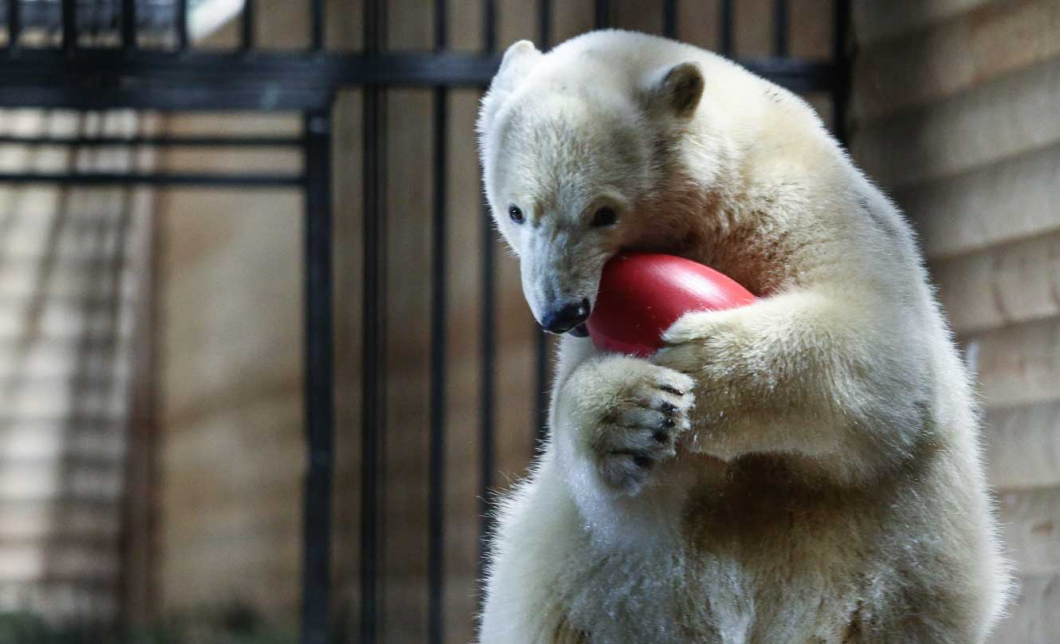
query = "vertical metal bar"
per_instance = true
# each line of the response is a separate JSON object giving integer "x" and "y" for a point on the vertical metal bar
{"x": 69, "y": 26}
{"x": 670, "y": 18}
{"x": 141, "y": 464}
{"x": 725, "y": 40}
{"x": 319, "y": 380}
{"x": 780, "y": 28}
{"x": 436, "y": 465}
{"x": 841, "y": 56}
{"x": 488, "y": 376}
{"x": 374, "y": 343}
{"x": 182, "y": 25}
{"x": 14, "y": 25}
{"x": 246, "y": 38}
{"x": 317, "y": 25}
{"x": 602, "y": 14}
{"x": 544, "y": 23}
{"x": 128, "y": 25}
{"x": 489, "y": 27}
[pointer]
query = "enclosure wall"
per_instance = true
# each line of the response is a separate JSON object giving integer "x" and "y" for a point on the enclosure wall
{"x": 954, "y": 109}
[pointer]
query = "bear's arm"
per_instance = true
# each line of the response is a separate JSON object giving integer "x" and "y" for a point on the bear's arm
{"x": 819, "y": 372}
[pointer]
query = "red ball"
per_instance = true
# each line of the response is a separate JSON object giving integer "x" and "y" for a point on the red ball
{"x": 642, "y": 295}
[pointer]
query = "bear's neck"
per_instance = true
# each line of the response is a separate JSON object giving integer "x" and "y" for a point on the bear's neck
{"x": 719, "y": 218}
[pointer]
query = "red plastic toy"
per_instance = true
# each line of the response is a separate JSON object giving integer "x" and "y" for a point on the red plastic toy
{"x": 642, "y": 295}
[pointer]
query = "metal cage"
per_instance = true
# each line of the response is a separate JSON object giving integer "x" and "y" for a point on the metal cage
{"x": 178, "y": 78}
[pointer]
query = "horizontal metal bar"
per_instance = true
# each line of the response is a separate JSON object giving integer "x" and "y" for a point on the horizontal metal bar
{"x": 274, "y": 81}
{"x": 798, "y": 75}
{"x": 158, "y": 141}
{"x": 264, "y": 180}
{"x": 164, "y": 100}
{"x": 223, "y": 70}
{"x": 189, "y": 98}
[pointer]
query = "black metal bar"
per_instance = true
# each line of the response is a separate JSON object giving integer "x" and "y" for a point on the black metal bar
{"x": 488, "y": 376}
{"x": 319, "y": 381}
{"x": 316, "y": 36}
{"x": 602, "y": 14}
{"x": 128, "y": 25}
{"x": 725, "y": 39}
{"x": 780, "y": 28}
{"x": 841, "y": 60}
{"x": 544, "y": 24}
{"x": 14, "y": 25}
{"x": 69, "y": 26}
{"x": 182, "y": 24}
{"x": 670, "y": 18}
{"x": 260, "y": 180}
{"x": 374, "y": 343}
{"x": 436, "y": 465}
{"x": 158, "y": 141}
{"x": 373, "y": 383}
{"x": 246, "y": 27}
{"x": 798, "y": 76}
{"x": 280, "y": 75}
{"x": 489, "y": 26}
{"x": 167, "y": 99}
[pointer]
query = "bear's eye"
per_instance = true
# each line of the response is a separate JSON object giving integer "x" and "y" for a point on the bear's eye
{"x": 515, "y": 214}
{"x": 605, "y": 216}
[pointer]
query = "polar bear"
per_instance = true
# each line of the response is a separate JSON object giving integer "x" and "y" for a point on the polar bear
{"x": 804, "y": 469}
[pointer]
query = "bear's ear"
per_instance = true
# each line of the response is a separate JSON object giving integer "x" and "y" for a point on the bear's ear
{"x": 677, "y": 89}
{"x": 518, "y": 62}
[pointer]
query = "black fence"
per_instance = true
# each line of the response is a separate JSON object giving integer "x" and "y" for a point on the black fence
{"x": 153, "y": 68}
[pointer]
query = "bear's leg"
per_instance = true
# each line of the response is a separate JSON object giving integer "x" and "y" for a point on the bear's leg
{"x": 827, "y": 374}
{"x": 534, "y": 557}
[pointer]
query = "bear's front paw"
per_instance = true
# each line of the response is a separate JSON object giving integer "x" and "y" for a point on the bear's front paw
{"x": 640, "y": 425}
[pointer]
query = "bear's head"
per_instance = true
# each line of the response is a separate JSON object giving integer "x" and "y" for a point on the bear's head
{"x": 572, "y": 155}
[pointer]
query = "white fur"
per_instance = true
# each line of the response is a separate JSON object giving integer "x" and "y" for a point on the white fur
{"x": 819, "y": 476}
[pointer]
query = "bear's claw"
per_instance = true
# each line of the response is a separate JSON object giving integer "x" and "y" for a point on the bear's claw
{"x": 641, "y": 429}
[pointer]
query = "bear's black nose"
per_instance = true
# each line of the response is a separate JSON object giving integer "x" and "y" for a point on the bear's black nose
{"x": 566, "y": 318}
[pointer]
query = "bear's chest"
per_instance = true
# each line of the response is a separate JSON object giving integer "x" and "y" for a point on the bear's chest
{"x": 683, "y": 597}
{"x": 652, "y": 597}
{"x": 742, "y": 567}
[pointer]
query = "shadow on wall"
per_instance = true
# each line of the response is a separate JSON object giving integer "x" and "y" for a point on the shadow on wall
{"x": 68, "y": 270}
